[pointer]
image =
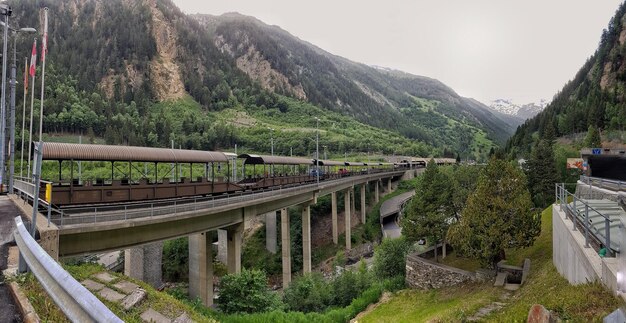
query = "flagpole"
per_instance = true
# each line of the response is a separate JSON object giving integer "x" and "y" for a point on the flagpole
{"x": 32, "y": 103}
{"x": 44, "y": 48}
{"x": 24, "y": 115}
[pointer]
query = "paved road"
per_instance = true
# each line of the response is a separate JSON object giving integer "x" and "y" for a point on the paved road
{"x": 389, "y": 211}
{"x": 8, "y": 211}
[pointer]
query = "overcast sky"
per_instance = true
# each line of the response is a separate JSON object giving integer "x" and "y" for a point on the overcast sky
{"x": 523, "y": 50}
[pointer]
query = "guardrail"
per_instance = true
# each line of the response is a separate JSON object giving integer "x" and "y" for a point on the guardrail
{"x": 76, "y": 302}
{"x": 97, "y": 214}
{"x": 571, "y": 211}
{"x": 604, "y": 183}
{"x": 26, "y": 191}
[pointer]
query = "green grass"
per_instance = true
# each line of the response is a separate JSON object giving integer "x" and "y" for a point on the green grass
{"x": 161, "y": 302}
{"x": 587, "y": 302}
{"x": 460, "y": 262}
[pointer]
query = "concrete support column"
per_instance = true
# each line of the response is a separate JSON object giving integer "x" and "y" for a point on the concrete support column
{"x": 348, "y": 219}
{"x": 353, "y": 201}
{"x": 144, "y": 263}
{"x": 286, "y": 246}
{"x": 333, "y": 199}
{"x": 201, "y": 267}
{"x": 270, "y": 231}
{"x": 222, "y": 246}
{"x": 235, "y": 239}
{"x": 306, "y": 238}
{"x": 363, "y": 207}
{"x": 376, "y": 192}
{"x": 389, "y": 185}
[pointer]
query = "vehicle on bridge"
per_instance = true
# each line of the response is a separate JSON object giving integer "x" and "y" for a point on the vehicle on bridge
{"x": 138, "y": 174}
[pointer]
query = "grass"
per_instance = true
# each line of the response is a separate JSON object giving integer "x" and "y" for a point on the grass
{"x": 545, "y": 286}
{"x": 460, "y": 262}
{"x": 161, "y": 302}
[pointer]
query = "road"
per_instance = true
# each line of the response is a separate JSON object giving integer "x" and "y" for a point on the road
{"x": 8, "y": 211}
{"x": 389, "y": 212}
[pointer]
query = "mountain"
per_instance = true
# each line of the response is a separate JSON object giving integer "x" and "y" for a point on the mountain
{"x": 595, "y": 97}
{"x": 144, "y": 73}
{"x": 518, "y": 112}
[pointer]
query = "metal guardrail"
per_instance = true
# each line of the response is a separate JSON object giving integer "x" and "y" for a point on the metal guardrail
{"x": 76, "y": 302}
{"x": 604, "y": 183}
{"x": 562, "y": 196}
{"x": 99, "y": 214}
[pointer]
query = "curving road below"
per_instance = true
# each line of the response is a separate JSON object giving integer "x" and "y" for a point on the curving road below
{"x": 389, "y": 212}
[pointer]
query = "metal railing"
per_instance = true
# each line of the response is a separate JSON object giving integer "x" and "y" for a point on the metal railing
{"x": 97, "y": 214}
{"x": 610, "y": 184}
{"x": 562, "y": 197}
{"x": 26, "y": 190}
{"x": 76, "y": 302}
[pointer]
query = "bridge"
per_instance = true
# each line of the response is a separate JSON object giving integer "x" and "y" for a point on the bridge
{"x": 139, "y": 229}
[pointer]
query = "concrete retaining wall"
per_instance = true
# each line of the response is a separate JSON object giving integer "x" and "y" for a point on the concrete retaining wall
{"x": 425, "y": 274}
{"x": 576, "y": 263}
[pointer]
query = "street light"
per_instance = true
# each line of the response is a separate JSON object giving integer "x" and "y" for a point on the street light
{"x": 12, "y": 111}
{"x": 317, "y": 149}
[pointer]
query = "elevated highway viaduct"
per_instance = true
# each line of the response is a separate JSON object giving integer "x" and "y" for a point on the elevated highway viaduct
{"x": 140, "y": 230}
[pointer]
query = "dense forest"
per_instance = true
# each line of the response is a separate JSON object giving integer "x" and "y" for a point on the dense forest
{"x": 595, "y": 98}
{"x": 113, "y": 69}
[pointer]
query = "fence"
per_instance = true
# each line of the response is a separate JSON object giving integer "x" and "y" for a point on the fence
{"x": 582, "y": 217}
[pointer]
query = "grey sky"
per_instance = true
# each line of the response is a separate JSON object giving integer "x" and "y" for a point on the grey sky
{"x": 485, "y": 49}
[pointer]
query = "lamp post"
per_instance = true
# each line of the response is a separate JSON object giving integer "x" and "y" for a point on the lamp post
{"x": 317, "y": 149}
{"x": 12, "y": 111}
{"x": 5, "y": 10}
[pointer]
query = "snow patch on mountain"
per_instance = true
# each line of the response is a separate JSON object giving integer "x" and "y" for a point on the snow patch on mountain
{"x": 523, "y": 111}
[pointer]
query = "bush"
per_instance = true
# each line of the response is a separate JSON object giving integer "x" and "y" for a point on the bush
{"x": 176, "y": 260}
{"x": 390, "y": 258}
{"x": 349, "y": 285}
{"x": 246, "y": 292}
{"x": 308, "y": 293}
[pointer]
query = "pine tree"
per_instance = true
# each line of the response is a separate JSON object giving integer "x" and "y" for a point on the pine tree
{"x": 429, "y": 212}
{"x": 542, "y": 173}
{"x": 592, "y": 140}
{"x": 498, "y": 215}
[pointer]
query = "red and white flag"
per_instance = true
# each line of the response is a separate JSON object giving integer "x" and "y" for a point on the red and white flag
{"x": 33, "y": 59}
{"x": 44, "y": 39}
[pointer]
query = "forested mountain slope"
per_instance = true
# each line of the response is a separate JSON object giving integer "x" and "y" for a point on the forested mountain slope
{"x": 595, "y": 97}
{"x": 144, "y": 73}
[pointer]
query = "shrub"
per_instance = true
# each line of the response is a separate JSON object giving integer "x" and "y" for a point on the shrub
{"x": 349, "y": 285}
{"x": 246, "y": 292}
{"x": 308, "y": 293}
{"x": 176, "y": 260}
{"x": 390, "y": 258}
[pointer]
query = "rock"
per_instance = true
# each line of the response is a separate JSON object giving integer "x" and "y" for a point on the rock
{"x": 539, "y": 314}
{"x": 183, "y": 318}
{"x": 104, "y": 277}
{"x": 133, "y": 299}
{"x": 126, "y": 286}
{"x": 111, "y": 295}
{"x": 92, "y": 285}
{"x": 151, "y": 315}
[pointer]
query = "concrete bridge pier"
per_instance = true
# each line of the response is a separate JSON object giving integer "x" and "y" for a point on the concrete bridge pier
{"x": 333, "y": 199}
{"x": 201, "y": 267}
{"x": 270, "y": 231}
{"x": 389, "y": 185}
{"x": 348, "y": 218}
{"x": 306, "y": 238}
{"x": 353, "y": 201}
{"x": 144, "y": 263}
{"x": 286, "y": 246}
{"x": 363, "y": 207}
{"x": 235, "y": 240}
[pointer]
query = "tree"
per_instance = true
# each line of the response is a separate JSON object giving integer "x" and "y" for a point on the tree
{"x": 498, "y": 215}
{"x": 542, "y": 173}
{"x": 430, "y": 210}
{"x": 308, "y": 293}
{"x": 592, "y": 140}
{"x": 390, "y": 258}
{"x": 246, "y": 292}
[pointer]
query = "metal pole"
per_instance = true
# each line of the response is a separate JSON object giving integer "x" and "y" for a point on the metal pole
{"x": 575, "y": 214}
{"x": 607, "y": 230}
{"x": 44, "y": 46}
{"x": 3, "y": 98}
{"x": 32, "y": 103}
{"x": 36, "y": 173}
{"x": 12, "y": 120}
{"x": 586, "y": 225}
{"x": 317, "y": 148}
{"x": 23, "y": 118}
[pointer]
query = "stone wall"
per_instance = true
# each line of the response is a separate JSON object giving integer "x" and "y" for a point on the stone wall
{"x": 425, "y": 274}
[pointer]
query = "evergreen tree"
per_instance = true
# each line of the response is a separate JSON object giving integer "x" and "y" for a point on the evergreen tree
{"x": 592, "y": 140}
{"x": 542, "y": 173}
{"x": 498, "y": 215}
{"x": 430, "y": 211}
